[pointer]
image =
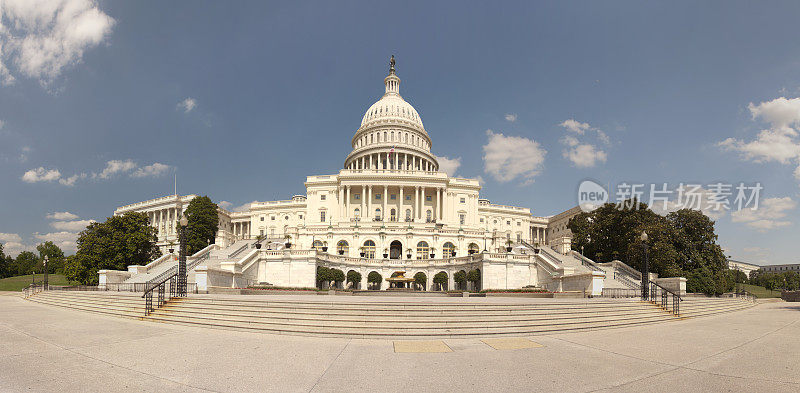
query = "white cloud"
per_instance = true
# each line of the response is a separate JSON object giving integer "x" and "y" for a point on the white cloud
{"x": 187, "y": 105}
{"x": 511, "y": 117}
{"x": 770, "y": 214}
{"x": 23, "y": 153}
{"x": 575, "y": 126}
{"x": 2, "y": 123}
{"x": 449, "y": 165}
{"x": 71, "y": 226}
{"x": 41, "y": 175}
{"x": 66, "y": 241}
{"x": 581, "y": 154}
{"x": 63, "y": 216}
{"x": 584, "y": 155}
{"x": 44, "y": 37}
{"x": 225, "y": 205}
{"x": 70, "y": 181}
{"x": 778, "y": 143}
{"x": 780, "y": 113}
{"x": 154, "y": 170}
{"x": 510, "y": 157}
{"x": 114, "y": 167}
{"x": 243, "y": 208}
{"x": 12, "y": 244}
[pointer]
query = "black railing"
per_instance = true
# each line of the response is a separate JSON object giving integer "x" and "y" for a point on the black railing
{"x": 161, "y": 287}
{"x": 659, "y": 294}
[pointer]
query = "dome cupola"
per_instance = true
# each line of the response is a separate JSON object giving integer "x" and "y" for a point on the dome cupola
{"x": 391, "y": 125}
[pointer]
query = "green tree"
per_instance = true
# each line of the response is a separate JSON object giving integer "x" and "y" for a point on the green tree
{"x": 55, "y": 257}
{"x": 336, "y": 276}
{"x": 441, "y": 280}
{"x": 323, "y": 275}
{"x": 114, "y": 244}
{"x": 25, "y": 263}
{"x": 5, "y": 264}
{"x": 421, "y": 279}
{"x": 374, "y": 278}
{"x": 460, "y": 278}
{"x": 354, "y": 278}
{"x": 739, "y": 277}
{"x": 203, "y": 223}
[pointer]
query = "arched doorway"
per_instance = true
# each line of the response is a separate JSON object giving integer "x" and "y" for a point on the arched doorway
{"x": 396, "y": 250}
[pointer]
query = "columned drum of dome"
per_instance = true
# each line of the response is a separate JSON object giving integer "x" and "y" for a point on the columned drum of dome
{"x": 389, "y": 209}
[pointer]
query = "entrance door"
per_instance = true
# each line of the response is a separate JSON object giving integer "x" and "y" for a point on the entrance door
{"x": 395, "y": 250}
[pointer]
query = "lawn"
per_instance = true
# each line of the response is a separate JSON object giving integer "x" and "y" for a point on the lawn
{"x": 18, "y": 282}
{"x": 760, "y": 292}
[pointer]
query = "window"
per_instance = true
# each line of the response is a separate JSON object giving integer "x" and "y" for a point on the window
{"x": 262, "y": 218}
{"x": 422, "y": 250}
{"x": 357, "y": 196}
{"x": 428, "y": 216}
{"x": 463, "y": 200}
{"x": 357, "y": 213}
{"x": 408, "y": 214}
{"x": 519, "y": 223}
{"x": 377, "y": 196}
{"x": 448, "y": 250}
{"x": 378, "y": 214}
{"x": 287, "y": 217}
{"x": 393, "y": 197}
{"x": 301, "y": 216}
{"x": 369, "y": 249}
{"x": 462, "y": 218}
{"x": 408, "y": 197}
{"x": 428, "y": 198}
{"x": 495, "y": 221}
{"x": 392, "y": 215}
{"x": 342, "y": 247}
{"x": 508, "y": 222}
{"x": 317, "y": 244}
{"x": 321, "y": 216}
{"x": 272, "y": 218}
{"x": 481, "y": 219}
{"x": 322, "y": 197}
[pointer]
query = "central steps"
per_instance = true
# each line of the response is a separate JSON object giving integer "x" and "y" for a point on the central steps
{"x": 410, "y": 318}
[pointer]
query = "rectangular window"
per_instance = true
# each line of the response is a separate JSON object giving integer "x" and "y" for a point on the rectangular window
{"x": 377, "y": 196}
{"x": 272, "y": 218}
{"x": 408, "y": 197}
{"x": 462, "y": 218}
{"x": 428, "y": 198}
{"x": 393, "y": 197}
{"x": 322, "y": 197}
{"x": 463, "y": 200}
{"x": 481, "y": 219}
{"x": 358, "y": 196}
{"x": 322, "y": 216}
{"x": 508, "y": 222}
{"x": 262, "y": 218}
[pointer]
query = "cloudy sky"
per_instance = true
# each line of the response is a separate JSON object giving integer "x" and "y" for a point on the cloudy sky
{"x": 103, "y": 102}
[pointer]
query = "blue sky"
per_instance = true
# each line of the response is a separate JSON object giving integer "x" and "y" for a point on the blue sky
{"x": 243, "y": 100}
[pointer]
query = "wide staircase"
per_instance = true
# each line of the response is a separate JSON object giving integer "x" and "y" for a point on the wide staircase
{"x": 341, "y": 317}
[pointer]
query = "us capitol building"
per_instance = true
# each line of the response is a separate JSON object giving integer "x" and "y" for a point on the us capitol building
{"x": 389, "y": 209}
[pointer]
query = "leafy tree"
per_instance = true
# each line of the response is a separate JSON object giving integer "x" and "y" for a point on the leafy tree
{"x": 203, "y": 223}
{"x": 336, "y": 276}
{"x": 5, "y": 264}
{"x": 55, "y": 261}
{"x": 354, "y": 277}
{"x": 25, "y": 263}
{"x": 374, "y": 278}
{"x": 323, "y": 275}
{"x": 440, "y": 279}
{"x": 114, "y": 244}
{"x": 460, "y": 278}
{"x": 739, "y": 277}
{"x": 474, "y": 276}
{"x": 421, "y": 279}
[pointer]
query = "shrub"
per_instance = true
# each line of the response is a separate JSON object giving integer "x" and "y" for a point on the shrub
{"x": 374, "y": 278}
{"x": 354, "y": 277}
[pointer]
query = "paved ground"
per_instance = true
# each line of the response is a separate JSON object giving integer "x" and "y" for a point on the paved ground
{"x": 44, "y": 348}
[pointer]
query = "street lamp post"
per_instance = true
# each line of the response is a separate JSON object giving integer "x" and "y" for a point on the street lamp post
{"x": 181, "y": 282}
{"x": 645, "y": 268}
{"x": 45, "y": 271}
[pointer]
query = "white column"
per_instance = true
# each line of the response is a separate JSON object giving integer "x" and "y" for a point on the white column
{"x": 396, "y": 160}
{"x": 341, "y": 203}
{"x": 437, "y": 208}
{"x": 416, "y": 202}
{"x": 421, "y": 201}
{"x": 363, "y": 194}
{"x": 347, "y": 202}
{"x": 400, "y": 206}
{"x": 369, "y": 203}
{"x": 384, "y": 198}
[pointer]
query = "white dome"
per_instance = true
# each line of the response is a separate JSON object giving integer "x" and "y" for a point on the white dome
{"x": 392, "y": 107}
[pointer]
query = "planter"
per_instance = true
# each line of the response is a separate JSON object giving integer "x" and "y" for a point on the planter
{"x": 508, "y": 249}
{"x": 324, "y": 249}
{"x": 408, "y": 256}
{"x": 535, "y": 250}
{"x": 433, "y": 255}
{"x": 171, "y": 250}
{"x": 362, "y": 255}
{"x": 341, "y": 252}
{"x": 385, "y": 255}
{"x": 258, "y": 246}
{"x": 288, "y": 245}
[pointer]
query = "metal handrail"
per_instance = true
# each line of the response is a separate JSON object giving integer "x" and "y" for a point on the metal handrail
{"x": 161, "y": 286}
{"x": 676, "y": 298}
{"x": 239, "y": 251}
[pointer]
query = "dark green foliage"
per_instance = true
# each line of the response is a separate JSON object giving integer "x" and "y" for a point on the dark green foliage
{"x": 323, "y": 275}
{"x": 789, "y": 280}
{"x": 460, "y": 277}
{"x": 5, "y": 263}
{"x": 25, "y": 264}
{"x": 739, "y": 277}
{"x": 421, "y": 279}
{"x": 55, "y": 262}
{"x": 353, "y": 277}
{"x": 681, "y": 244}
{"x": 336, "y": 275}
{"x": 440, "y": 279}
{"x": 203, "y": 223}
{"x": 474, "y": 275}
{"x": 374, "y": 278}
{"x": 114, "y": 244}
